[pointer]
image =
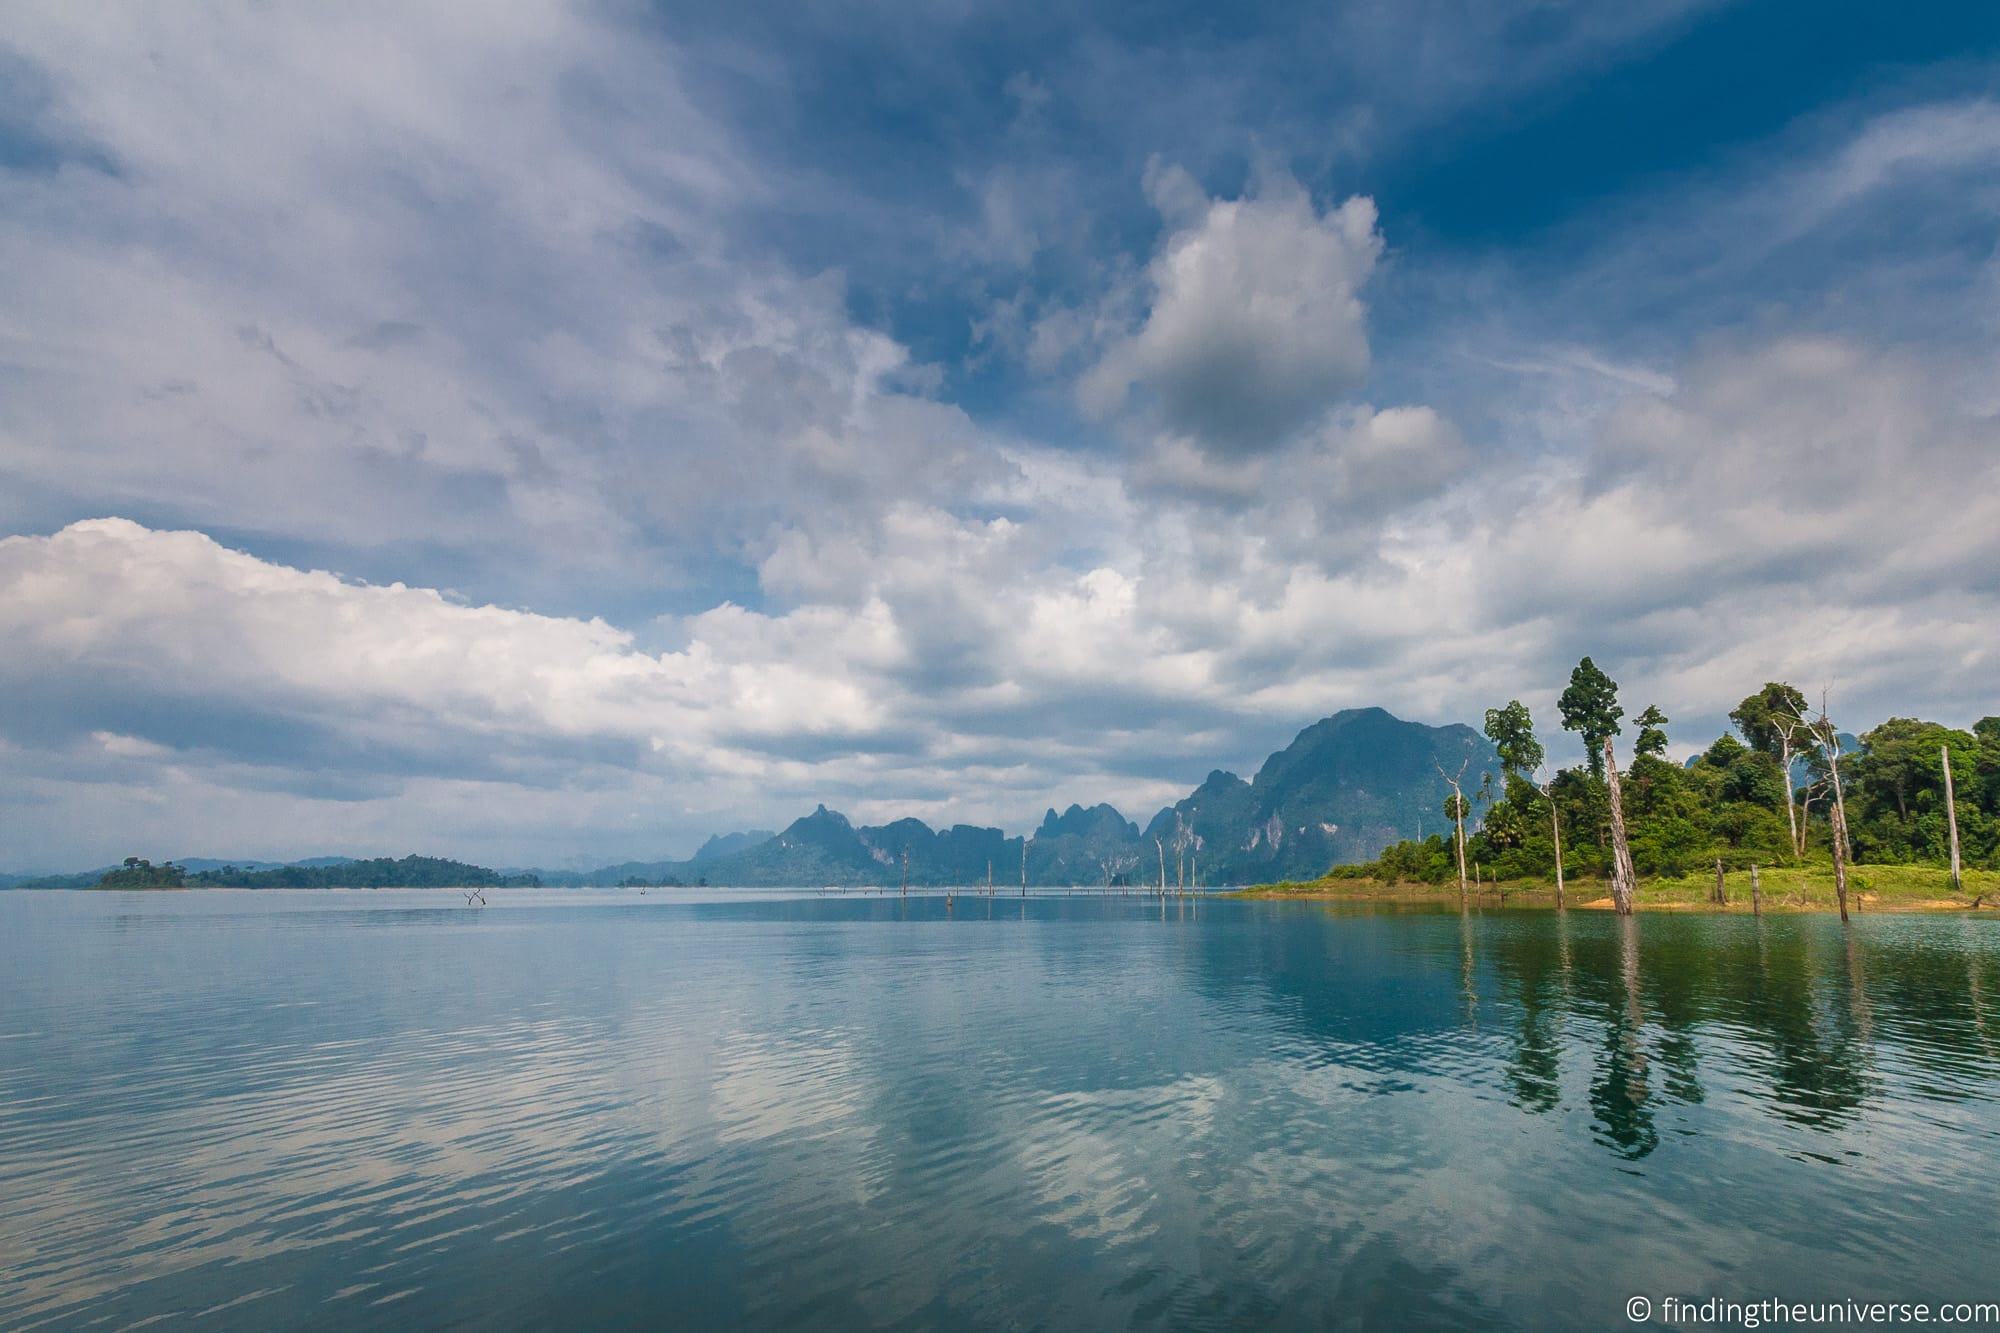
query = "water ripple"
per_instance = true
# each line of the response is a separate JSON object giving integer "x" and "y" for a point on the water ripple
{"x": 380, "y": 1110}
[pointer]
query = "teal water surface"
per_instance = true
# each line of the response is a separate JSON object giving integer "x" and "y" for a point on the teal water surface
{"x": 354, "y": 1109}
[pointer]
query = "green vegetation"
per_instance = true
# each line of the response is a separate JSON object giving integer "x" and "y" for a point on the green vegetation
{"x": 411, "y": 872}
{"x": 1876, "y": 888}
{"x": 1764, "y": 797}
{"x": 138, "y": 873}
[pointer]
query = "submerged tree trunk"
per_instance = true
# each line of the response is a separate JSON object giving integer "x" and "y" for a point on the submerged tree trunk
{"x": 1623, "y": 880}
{"x": 1163, "y": 865}
{"x": 1756, "y": 893}
{"x": 1951, "y": 819}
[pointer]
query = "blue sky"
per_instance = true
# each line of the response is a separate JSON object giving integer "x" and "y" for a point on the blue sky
{"x": 560, "y": 433}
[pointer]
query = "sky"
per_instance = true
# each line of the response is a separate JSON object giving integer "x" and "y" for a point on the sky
{"x": 550, "y": 433}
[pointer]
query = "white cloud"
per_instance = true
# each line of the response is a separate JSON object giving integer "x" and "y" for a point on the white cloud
{"x": 178, "y": 620}
{"x": 1254, "y": 323}
{"x": 461, "y": 281}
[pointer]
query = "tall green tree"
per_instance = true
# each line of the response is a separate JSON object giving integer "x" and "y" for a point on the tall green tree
{"x": 1767, "y": 717}
{"x": 1512, "y": 732}
{"x": 1652, "y": 731}
{"x": 1773, "y": 720}
{"x": 1896, "y": 785}
{"x": 1590, "y": 708}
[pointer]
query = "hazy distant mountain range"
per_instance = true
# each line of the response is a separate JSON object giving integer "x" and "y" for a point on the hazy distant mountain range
{"x": 1346, "y": 787}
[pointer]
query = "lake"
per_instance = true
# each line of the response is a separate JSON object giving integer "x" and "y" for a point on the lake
{"x": 771, "y": 1110}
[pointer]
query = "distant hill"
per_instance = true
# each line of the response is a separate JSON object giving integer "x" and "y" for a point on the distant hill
{"x": 1345, "y": 788}
{"x": 342, "y": 872}
{"x": 1348, "y": 786}
{"x": 192, "y": 864}
{"x": 728, "y": 844}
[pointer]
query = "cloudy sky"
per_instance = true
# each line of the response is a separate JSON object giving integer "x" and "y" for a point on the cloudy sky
{"x": 551, "y": 432}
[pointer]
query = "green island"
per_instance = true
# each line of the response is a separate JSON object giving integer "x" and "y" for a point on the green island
{"x": 382, "y": 872}
{"x": 1786, "y": 813}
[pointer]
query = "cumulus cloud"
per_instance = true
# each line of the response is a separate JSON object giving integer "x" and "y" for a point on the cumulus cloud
{"x": 1253, "y": 323}
{"x": 196, "y": 630}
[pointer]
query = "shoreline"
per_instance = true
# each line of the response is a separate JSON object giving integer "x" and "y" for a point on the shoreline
{"x": 1785, "y": 889}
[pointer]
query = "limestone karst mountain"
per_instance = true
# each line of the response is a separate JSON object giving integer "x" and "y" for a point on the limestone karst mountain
{"x": 1347, "y": 786}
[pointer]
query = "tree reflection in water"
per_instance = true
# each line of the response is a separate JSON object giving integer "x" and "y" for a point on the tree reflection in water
{"x": 1650, "y": 1013}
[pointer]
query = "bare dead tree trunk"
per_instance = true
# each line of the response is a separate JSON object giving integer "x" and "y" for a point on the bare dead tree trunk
{"x": 1556, "y": 827}
{"x": 1194, "y": 851}
{"x": 1162, "y": 848}
{"x": 906, "y": 870}
{"x": 1756, "y": 893}
{"x": 1457, "y": 819}
{"x": 1181, "y": 853}
{"x": 1839, "y": 791}
{"x": 1829, "y": 738}
{"x": 1721, "y": 894}
{"x": 1951, "y": 819}
{"x": 1840, "y": 857}
{"x": 1624, "y": 880}
{"x": 1785, "y": 733}
{"x": 1024, "y": 868}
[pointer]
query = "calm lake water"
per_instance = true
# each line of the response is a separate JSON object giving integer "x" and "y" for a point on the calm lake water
{"x": 358, "y": 1109}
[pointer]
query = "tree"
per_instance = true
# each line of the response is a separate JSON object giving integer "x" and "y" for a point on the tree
{"x": 1652, "y": 732}
{"x": 1456, "y": 809}
{"x": 1512, "y": 732}
{"x": 1827, "y": 741}
{"x": 1590, "y": 708}
{"x": 1951, "y": 814}
{"x": 1556, "y": 831}
{"x": 1667, "y": 824}
{"x": 1766, "y": 717}
{"x": 139, "y": 873}
{"x": 1904, "y": 805}
{"x": 1624, "y": 880}
{"x": 1773, "y": 721}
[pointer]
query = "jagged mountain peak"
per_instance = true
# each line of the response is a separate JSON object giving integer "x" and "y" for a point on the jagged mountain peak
{"x": 818, "y": 826}
{"x": 1344, "y": 788}
{"x": 1096, "y": 821}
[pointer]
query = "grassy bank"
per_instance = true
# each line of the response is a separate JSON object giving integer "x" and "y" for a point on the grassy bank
{"x": 1871, "y": 888}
